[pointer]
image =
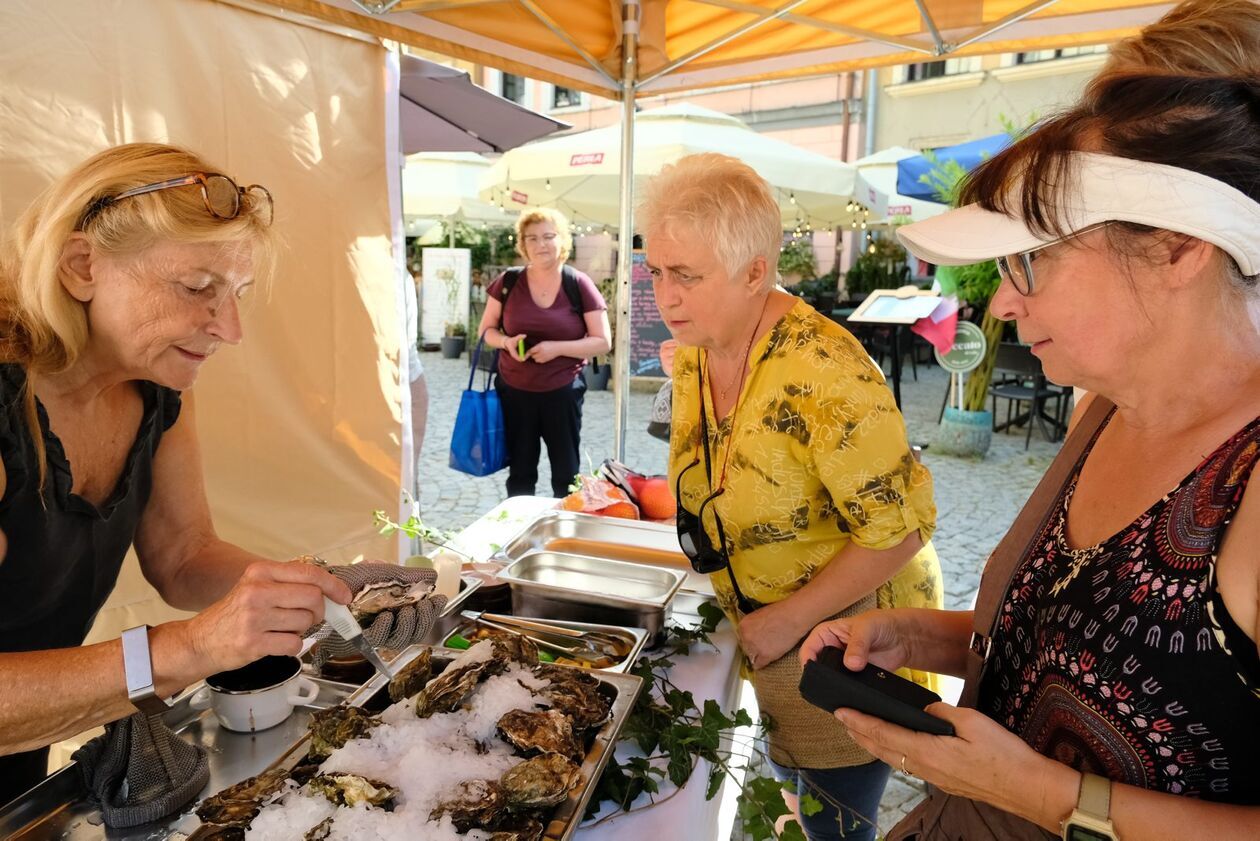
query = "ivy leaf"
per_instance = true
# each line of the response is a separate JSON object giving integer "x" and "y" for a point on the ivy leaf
{"x": 810, "y": 805}
{"x": 792, "y": 832}
{"x": 716, "y": 775}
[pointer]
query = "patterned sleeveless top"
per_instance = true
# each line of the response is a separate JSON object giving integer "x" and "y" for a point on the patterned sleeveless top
{"x": 1121, "y": 660}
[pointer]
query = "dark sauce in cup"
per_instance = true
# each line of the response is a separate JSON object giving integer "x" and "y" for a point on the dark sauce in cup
{"x": 265, "y": 673}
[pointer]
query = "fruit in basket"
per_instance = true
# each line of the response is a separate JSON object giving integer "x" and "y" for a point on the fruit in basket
{"x": 656, "y": 499}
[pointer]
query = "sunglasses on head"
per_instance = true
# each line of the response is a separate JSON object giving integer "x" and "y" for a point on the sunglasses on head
{"x": 221, "y": 195}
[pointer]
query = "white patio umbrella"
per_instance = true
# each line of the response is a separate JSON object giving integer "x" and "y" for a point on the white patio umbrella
{"x": 880, "y": 170}
{"x": 441, "y": 187}
{"x": 579, "y": 173}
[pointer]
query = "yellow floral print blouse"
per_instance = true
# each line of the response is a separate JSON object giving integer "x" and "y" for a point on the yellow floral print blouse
{"x": 820, "y": 458}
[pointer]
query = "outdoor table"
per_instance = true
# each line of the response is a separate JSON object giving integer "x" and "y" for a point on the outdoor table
{"x": 705, "y": 672}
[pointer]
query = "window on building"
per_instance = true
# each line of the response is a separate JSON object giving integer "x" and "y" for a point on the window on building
{"x": 512, "y": 87}
{"x": 1051, "y": 55}
{"x": 925, "y": 70}
{"x": 565, "y": 97}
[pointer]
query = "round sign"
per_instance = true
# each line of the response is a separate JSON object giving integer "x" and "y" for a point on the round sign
{"x": 968, "y": 350}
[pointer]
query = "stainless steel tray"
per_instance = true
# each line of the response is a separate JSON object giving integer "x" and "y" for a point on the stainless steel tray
{"x": 624, "y": 690}
{"x": 639, "y": 635}
{"x": 631, "y": 541}
{"x": 58, "y": 808}
{"x": 588, "y": 589}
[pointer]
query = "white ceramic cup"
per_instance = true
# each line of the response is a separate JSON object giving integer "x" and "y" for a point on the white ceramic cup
{"x": 257, "y": 696}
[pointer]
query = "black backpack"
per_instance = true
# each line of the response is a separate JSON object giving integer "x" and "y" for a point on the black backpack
{"x": 568, "y": 283}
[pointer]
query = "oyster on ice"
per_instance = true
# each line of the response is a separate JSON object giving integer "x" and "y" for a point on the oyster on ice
{"x": 515, "y": 648}
{"x": 351, "y": 790}
{"x": 333, "y": 727}
{"x": 518, "y": 829}
{"x": 444, "y": 693}
{"x": 541, "y": 782}
{"x": 548, "y": 731}
{"x": 412, "y": 677}
{"x": 575, "y": 693}
{"x": 475, "y": 804}
{"x": 387, "y": 595}
{"x": 320, "y": 831}
{"x": 237, "y": 804}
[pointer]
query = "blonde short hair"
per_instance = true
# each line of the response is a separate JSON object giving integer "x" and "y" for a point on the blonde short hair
{"x": 541, "y": 215}
{"x": 719, "y": 200}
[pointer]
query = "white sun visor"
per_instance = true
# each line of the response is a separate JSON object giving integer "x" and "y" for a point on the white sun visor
{"x": 1107, "y": 188}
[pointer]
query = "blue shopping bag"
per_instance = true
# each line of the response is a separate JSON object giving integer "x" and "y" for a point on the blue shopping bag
{"x": 478, "y": 447}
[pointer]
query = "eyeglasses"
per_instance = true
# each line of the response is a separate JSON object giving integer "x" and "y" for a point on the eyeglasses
{"x": 534, "y": 239}
{"x": 693, "y": 538}
{"x": 221, "y": 195}
{"x": 1018, "y": 268}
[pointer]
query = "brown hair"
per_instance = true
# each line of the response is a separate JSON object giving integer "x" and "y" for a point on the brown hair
{"x": 1198, "y": 37}
{"x": 1203, "y": 124}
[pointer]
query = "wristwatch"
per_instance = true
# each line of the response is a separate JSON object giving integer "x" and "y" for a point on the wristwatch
{"x": 1091, "y": 819}
{"x": 138, "y": 666}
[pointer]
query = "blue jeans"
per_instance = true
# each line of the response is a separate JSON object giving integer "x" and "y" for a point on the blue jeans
{"x": 850, "y": 799}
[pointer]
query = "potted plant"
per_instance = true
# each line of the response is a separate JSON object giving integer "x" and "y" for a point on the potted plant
{"x": 796, "y": 262}
{"x": 456, "y": 336}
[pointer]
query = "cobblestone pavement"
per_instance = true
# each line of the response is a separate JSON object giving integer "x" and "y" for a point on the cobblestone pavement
{"x": 976, "y": 500}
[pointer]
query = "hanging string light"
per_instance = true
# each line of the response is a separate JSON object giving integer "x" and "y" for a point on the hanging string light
{"x": 548, "y": 183}
{"x": 792, "y": 198}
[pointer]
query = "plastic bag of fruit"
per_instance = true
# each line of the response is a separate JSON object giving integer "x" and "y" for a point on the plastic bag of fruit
{"x": 594, "y": 495}
{"x": 652, "y": 494}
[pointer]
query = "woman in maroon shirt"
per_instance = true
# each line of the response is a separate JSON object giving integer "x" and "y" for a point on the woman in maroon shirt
{"x": 541, "y": 389}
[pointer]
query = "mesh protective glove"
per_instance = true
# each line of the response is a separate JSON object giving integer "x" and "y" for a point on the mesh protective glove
{"x": 397, "y": 628}
{"x": 140, "y": 771}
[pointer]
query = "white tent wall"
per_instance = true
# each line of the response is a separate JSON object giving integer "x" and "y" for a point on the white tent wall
{"x": 300, "y": 426}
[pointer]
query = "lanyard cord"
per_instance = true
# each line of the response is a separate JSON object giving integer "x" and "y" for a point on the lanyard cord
{"x": 745, "y": 605}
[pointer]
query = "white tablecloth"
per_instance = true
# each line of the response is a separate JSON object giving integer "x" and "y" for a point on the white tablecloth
{"x": 705, "y": 672}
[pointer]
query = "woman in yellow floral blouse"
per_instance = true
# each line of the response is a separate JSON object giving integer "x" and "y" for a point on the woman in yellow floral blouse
{"x": 788, "y": 445}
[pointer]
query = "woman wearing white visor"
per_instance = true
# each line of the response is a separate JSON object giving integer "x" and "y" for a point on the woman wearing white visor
{"x": 1113, "y": 674}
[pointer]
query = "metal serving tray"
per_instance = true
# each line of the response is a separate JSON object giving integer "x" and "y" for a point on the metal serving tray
{"x": 638, "y": 635}
{"x": 582, "y": 588}
{"x": 632, "y": 541}
{"x": 621, "y": 690}
{"x": 58, "y": 808}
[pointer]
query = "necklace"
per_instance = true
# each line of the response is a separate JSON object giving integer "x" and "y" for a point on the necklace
{"x": 743, "y": 368}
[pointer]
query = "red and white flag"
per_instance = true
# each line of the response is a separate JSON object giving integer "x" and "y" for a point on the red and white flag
{"x": 939, "y": 326}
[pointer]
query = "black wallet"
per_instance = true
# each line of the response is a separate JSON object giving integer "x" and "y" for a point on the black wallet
{"x": 829, "y": 684}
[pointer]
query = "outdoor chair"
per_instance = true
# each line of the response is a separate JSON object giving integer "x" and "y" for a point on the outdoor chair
{"x": 1021, "y": 383}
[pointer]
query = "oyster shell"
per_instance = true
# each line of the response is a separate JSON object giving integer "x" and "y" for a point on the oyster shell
{"x": 222, "y": 833}
{"x": 548, "y": 731}
{"x": 565, "y": 675}
{"x": 387, "y": 595}
{"x": 333, "y": 727}
{"x": 515, "y": 648}
{"x": 541, "y": 782}
{"x": 320, "y": 831}
{"x": 444, "y": 693}
{"x": 585, "y": 705}
{"x": 351, "y": 790}
{"x": 518, "y": 829}
{"x": 476, "y": 804}
{"x": 237, "y": 804}
{"x": 412, "y": 677}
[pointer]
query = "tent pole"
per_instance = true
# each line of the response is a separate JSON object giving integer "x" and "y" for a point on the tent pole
{"x": 625, "y": 233}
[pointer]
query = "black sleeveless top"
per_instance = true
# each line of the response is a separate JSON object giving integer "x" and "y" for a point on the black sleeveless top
{"x": 1121, "y": 659}
{"x": 64, "y": 553}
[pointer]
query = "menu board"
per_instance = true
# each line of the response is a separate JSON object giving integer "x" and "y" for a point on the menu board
{"x": 647, "y": 331}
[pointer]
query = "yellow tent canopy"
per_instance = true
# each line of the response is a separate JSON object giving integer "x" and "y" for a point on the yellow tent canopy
{"x": 690, "y": 44}
{"x": 622, "y": 49}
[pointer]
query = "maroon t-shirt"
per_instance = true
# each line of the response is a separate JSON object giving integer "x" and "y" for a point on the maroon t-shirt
{"x": 556, "y": 323}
